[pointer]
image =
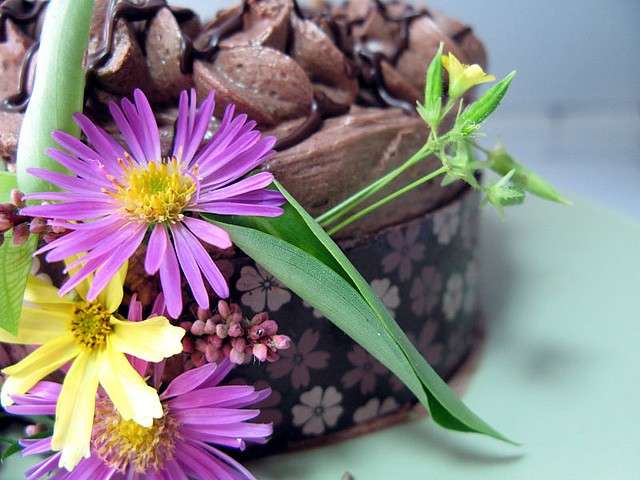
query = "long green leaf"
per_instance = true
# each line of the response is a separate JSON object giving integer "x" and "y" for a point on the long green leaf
{"x": 297, "y": 228}
{"x": 15, "y": 264}
{"x": 58, "y": 91}
{"x": 8, "y": 182}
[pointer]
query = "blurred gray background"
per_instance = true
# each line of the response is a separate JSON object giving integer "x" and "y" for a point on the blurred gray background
{"x": 573, "y": 112}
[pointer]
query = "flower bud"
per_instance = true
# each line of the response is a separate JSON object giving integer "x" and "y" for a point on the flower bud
{"x": 281, "y": 342}
{"x": 209, "y": 327}
{"x": 197, "y": 328}
{"x": 17, "y": 198}
{"x": 38, "y": 226}
{"x": 478, "y": 111}
{"x": 235, "y": 329}
{"x": 503, "y": 193}
{"x": 222, "y": 330}
{"x": 236, "y": 357}
{"x": 501, "y": 162}
{"x": 260, "y": 351}
{"x": 223, "y": 309}
{"x": 238, "y": 344}
{"x": 256, "y": 332}
{"x": 20, "y": 233}
{"x": 430, "y": 111}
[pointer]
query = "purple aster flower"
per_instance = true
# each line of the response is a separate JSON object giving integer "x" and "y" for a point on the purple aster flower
{"x": 199, "y": 416}
{"x": 119, "y": 196}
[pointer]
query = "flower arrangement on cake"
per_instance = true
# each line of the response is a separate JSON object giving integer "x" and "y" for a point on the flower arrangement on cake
{"x": 236, "y": 238}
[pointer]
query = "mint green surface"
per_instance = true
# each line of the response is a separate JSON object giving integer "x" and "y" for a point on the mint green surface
{"x": 561, "y": 371}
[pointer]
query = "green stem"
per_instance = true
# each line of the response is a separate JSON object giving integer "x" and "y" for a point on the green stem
{"x": 387, "y": 199}
{"x": 334, "y": 214}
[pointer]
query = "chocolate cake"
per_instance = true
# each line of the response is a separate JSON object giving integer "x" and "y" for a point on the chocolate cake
{"x": 337, "y": 85}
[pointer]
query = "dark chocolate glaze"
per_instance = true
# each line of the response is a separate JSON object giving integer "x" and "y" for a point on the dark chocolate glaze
{"x": 361, "y": 60}
{"x": 123, "y": 9}
{"x": 207, "y": 44}
{"x": 18, "y": 101}
{"x": 28, "y": 15}
{"x": 25, "y": 14}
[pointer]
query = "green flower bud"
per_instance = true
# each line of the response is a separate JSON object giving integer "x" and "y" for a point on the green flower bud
{"x": 501, "y": 162}
{"x": 430, "y": 111}
{"x": 503, "y": 193}
{"x": 462, "y": 166}
{"x": 478, "y": 111}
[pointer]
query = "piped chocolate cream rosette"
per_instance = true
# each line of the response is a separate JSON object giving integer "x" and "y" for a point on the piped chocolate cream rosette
{"x": 337, "y": 86}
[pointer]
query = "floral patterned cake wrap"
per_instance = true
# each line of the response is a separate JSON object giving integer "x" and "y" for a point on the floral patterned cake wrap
{"x": 425, "y": 272}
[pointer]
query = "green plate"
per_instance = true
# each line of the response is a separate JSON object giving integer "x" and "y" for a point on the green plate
{"x": 561, "y": 371}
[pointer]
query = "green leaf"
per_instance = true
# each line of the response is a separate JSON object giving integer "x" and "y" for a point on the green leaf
{"x": 296, "y": 249}
{"x": 12, "y": 447}
{"x": 430, "y": 111}
{"x": 58, "y": 91}
{"x": 15, "y": 264}
{"x": 8, "y": 182}
{"x": 478, "y": 111}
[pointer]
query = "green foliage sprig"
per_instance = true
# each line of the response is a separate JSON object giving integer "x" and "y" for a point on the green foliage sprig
{"x": 455, "y": 148}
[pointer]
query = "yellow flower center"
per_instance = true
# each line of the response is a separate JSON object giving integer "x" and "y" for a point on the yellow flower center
{"x": 91, "y": 324}
{"x": 155, "y": 193}
{"x": 124, "y": 444}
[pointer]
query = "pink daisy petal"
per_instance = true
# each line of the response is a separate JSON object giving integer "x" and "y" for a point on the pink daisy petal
{"x": 88, "y": 172}
{"x": 156, "y": 249}
{"x": 171, "y": 282}
{"x": 104, "y": 144}
{"x": 205, "y": 263}
{"x": 128, "y": 134}
{"x": 70, "y": 210}
{"x": 237, "y": 208}
{"x": 180, "y": 134}
{"x": 250, "y": 184}
{"x": 61, "y": 180}
{"x": 150, "y": 127}
{"x": 190, "y": 268}
{"x": 208, "y": 232}
{"x": 113, "y": 264}
{"x": 198, "y": 130}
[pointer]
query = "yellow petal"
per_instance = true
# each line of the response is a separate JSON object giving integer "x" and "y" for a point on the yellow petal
{"x": 37, "y": 365}
{"x": 111, "y": 295}
{"x": 38, "y": 291}
{"x": 452, "y": 65}
{"x": 75, "y": 410}
{"x": 131, "y": 396}
{"x": 40, "y": 325}
{"x": 151, "y": 340}
{"x": 83, "y": 287}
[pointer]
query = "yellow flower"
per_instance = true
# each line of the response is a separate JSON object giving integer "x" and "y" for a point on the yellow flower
{"x": 463, "y": 77}
{"x": 95, "y": 340}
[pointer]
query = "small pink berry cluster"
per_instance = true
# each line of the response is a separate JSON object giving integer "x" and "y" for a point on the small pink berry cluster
{"x": 229, "y": 334}
{"x": 22, "y": 226}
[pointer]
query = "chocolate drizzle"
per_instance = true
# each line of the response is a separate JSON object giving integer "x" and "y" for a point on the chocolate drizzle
{"x": 23, "y": 13}
{"x": 364, "y": 59}
{"x": 208, "y": 44}
{"x": 18, "y": 101}
{"x": 121, "y": 9}
{"x": 28, "y": 15}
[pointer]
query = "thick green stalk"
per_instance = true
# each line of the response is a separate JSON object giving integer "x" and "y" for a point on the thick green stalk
{"x": 387, "y": 199}
{"x": 58, "y": 91}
